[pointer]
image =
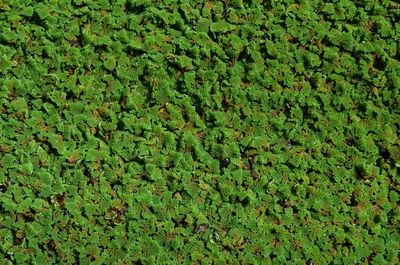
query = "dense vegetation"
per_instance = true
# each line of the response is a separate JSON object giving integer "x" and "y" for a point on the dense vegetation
{"x": 199, "y": 132}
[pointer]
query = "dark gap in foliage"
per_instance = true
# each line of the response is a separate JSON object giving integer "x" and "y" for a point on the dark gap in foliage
{"x": 227, "y": 103}
{"x": 134, "y": 52}
{"x": 76, "y": 257}
{"x": 120, "y": 125}
{"x": 133, "y": 8}
{"x": 36, "y": 20}
{"x": 353, "y": 200}
{"x": 377, "y": 219}
{"x": 18, "y": 237}
{"x": 384, "y": 153}
{"x": 213, "y": 36}
{"x": 379, "y": 63}
{"x": 180, "y": 222}
{"x": 160, "y": 23}
{"x": 181, "y": 12}
{"x": 101, "y": 48}
{"x": 43, "y": 141}
{"x": 27, "y": 216}
{"x": 51, "y": 245}
{"x": 199, "y": 110}
{"x": 224, "y": 162}
{"x": 69, "y": 95}
{"x": 243, "y": 56}
{"x": 59, "y": 199}
{"x": 8, "y": 257}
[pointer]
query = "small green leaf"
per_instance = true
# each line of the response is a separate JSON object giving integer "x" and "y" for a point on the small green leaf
{"x": 110, "y": 62}
{"x": 42, "y": 11}
{"x": 5, "y": 64}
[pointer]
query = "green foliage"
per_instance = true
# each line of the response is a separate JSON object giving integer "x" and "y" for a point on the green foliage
{"x": 199, "y": 132}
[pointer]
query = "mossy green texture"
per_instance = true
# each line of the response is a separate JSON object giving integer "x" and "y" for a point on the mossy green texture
{"x": 199, "y": 132}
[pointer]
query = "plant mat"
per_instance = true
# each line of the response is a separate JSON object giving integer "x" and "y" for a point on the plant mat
{"x": 199, "y": 132}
